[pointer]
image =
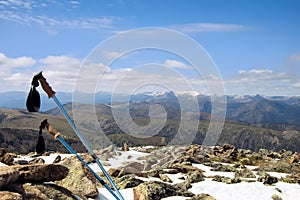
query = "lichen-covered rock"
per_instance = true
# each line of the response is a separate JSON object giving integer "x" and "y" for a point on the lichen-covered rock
{"x": 37, "y": 161}
{"x": 267, "y": 179}
{"x": 79, "y": 180}
{"x": 244, "y": 173}
{"x": 165, "y": 178}
{"x": 128, "y": 181}
{"x": 8, "y": 175}
{"x": 6, "y": 195}
{"x": 195, "y": 176}
{"x": 27, "y": 191}
{"x": 40, "y": 172}
{"x": 153, "y": 190}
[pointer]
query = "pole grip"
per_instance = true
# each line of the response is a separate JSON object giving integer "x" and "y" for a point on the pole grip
{"x": 52, "y": 131}
{"x": 46, "y": 87}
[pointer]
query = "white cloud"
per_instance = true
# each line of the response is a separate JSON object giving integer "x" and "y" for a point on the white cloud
{"x": 209, "y": 27}
{"x": 18, "y": 3}
{"x": 297, "y": 85}
{"x": 112, "y": 54}
{"x": 10, "y": 63}
{"x": 176, "y": 64}
{"x": 48, "y": 22}
{"x": 261, "y": 81}
{"x": 260, "y": 75}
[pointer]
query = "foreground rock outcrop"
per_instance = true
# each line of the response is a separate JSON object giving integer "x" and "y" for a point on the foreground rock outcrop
{"x": 79, "y": 180}
{"x": 66, "y": 179}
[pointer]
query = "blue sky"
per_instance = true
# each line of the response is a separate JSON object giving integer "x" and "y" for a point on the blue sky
{"x": 255, "y": 44}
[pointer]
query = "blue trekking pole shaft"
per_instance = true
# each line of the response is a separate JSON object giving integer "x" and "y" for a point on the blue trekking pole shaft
{"x": 57, "y": 136}
{"x": 86, "y": 144}
{"x": 51, "y": 94}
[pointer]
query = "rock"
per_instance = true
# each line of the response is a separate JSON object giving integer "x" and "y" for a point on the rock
{"x": 203, "y": 197}
{"x": 155, "y": 173}
{"x": 227, "y": 147}
{"x": 125, "y": 147}
{"x": 165, "y": 178}
{"x": 41, "y": 191}
{"x": 128, "y": 181}
{"x": 108, "y": 149}
{"x": 27, "y": 191}
{"x": 195, "y": 176}
{"x": 2, "y": 152}
{"x": 117, "y": 172}
{"x": 220, "y": 167}
{"x": 21, "y": 162}
{"x": 57, "y": 159}
{"x": 40, "y": 172}
{"x": 232, "y": 180}
{"x": 244, "y": 173}
{"x": 6, "y": 195}
{"x": 88, "y": 158}
{"x": 37, "y": 161}
{"x": 149, "y": 163}
{"x": 295, "y": 158}
{"x": 246, "y": 161}
{"x": 267, "y": 179}
{"x": 7, "y": 159}
{"x": 276, "y": 197}
{"x": 8, "y": 175}
{"x": 218, "y": 178}
{"x": 185, "y": 168}
{"x": 79, "y": 180}
{"x": 53, "y": 191}
{"x": 270, "y": 180}
{"x": 226, "y": 180}
{"x": 153, "y": 190}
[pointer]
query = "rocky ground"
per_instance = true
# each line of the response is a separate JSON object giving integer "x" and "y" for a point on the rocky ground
{"x": 150, "y": 173}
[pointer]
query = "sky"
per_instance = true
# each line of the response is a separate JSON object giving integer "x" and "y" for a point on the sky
{"x": 254, "y": 45}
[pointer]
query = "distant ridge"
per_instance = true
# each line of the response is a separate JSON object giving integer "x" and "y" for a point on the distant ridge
{"x": 277, "y": 112}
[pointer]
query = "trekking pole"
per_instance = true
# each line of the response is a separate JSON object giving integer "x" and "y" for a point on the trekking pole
{"x": 56, "y": 135}
{"x": 51, "y": 94}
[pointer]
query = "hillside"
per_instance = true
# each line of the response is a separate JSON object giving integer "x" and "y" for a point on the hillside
{"x": 241, "y": 135}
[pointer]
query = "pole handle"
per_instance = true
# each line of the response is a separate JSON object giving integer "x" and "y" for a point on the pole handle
{"x": 45, "y": 85}
{"x": 52, "y": 131}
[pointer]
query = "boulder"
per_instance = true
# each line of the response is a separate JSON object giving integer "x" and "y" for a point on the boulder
{"x": 6, "y": 195}
{"x": 267, "y": 179}
{"x": 79, "y": 180}
{"x": 37, "y": 161}
{"x": 270, "y": 180}
{"x": 40, "y": 172}
{"x": 165, "y": 178}
{"x": 244, "y": 173}
{"x": 185, "y": 168}
{"x": 27, "y": 191}
{"x": 227, "y": 147}
{"x": 8, "y": 175}
{"x": 195, "y": 176}
{"x": 21, "y": 162}
{"x": 40, "y": 191}
{"x": 7, "y": 159}
{"x": 153, "y": 190}
{"x": 295, "y": 158}
{"x": 128, "y": 181}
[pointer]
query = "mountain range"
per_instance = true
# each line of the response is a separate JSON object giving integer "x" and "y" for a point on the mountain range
{"x": 276, "y": 112}
{"x": 252, "y": 122}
